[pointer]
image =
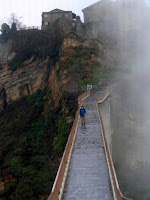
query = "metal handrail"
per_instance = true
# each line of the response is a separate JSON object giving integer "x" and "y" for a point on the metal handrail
{"x": 62, "y": 171}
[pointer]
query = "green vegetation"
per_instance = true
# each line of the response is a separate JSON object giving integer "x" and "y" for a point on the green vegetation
{"x": 63, "y": 132}
{"x": 81, "y": 67}
{"x": 31, "y": 145}
{"x": 79, "y": 60}
{"x": 33, "y": 133}
{"x": 78, "y": 63}
{"x": 27, "y": 152}
{"x": 28, "y": 43}
{"x": 37, "y": 43}
{"x": 5, "y": 29}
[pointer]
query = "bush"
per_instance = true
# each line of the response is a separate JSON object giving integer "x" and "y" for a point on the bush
{"x": 15, "y": 167}
{"x": 5, "y": 29}
{"x": 63, "y": 132}
{"x": 78, "y": 62}
{"x": 26, "y": 142}
{"x": 9, "y": 189}
{"x": 37, "y": 43}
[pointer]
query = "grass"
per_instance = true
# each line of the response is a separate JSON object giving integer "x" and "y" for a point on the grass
{"x": 98, "y": 76}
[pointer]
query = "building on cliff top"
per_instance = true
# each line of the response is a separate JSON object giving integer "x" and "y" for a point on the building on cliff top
{"x": 101, "y": 9}
{"x": 127, "y": 14}
{"x": 50, "y": 17}
{"x": 107, "y": 8}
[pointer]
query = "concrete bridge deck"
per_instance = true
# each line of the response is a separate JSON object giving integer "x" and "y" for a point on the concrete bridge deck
{"x": 88, "y": 175}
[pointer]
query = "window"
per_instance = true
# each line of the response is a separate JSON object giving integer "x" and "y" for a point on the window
{"x": 46, "y": 23}
{"x": 45, "y": 15}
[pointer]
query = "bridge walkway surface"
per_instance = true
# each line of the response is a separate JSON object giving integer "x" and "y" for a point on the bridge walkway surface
{"x": 88, "y": 175}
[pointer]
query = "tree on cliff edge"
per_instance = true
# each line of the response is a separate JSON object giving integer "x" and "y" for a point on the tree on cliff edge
{"x": 14, "y": 19}
{"x": 5, "y": 29}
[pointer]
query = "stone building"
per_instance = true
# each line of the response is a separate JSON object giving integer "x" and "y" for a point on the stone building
{"x": 131, "y": 14}
{"x": 50, "y": 17}
{"x": 107, "y": 9}
{"x": 100, "y": 10}
{"x": 100, "y": 18}
{"x": 121, "y": 15}
{"x": 113, "y": 18}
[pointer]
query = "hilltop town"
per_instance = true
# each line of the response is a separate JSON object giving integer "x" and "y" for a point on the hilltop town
{"x": 114, "y": 16}
{"x": 42, "y": 73}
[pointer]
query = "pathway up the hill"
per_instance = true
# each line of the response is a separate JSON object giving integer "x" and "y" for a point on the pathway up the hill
{"x": 88, "y": 175}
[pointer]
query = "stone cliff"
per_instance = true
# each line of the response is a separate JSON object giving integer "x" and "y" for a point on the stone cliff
{"x": 37, "y": 74}
{"x": 21, "y": 82}
{"x": 41, "y": 75}
{"x": 38, "y": 101}
{"x": 4, "y": 51}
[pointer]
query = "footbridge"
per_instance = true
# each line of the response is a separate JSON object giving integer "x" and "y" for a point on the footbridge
{"x": 86, "y": 170}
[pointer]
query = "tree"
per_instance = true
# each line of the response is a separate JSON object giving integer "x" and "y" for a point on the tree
{"x": 13, "y": 27}
{"x": 16, "y": 20}
{"x": 5, "y": 28}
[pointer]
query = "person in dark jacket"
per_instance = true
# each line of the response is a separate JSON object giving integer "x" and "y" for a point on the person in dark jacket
{"x": 82, "y": 115}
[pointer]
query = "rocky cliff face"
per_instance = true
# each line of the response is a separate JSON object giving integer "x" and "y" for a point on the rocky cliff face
{"x": 52, "y": 89}
{"x": 74, "y": 40}
{"x": 63, "y": 77}
{"x": 32, "y": 75}
{"x": 22, "y": 82}
{"x": 4, "y": 51}
{"x": 34, "y": 129}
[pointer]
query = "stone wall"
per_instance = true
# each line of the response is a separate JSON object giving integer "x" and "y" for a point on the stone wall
{"x": 126, "y": 117}
{"x": 100, "y": 10}
{"x": 50, "y": 17}
{"x": 121, "y": 15}
{"x": 24, "y": 81}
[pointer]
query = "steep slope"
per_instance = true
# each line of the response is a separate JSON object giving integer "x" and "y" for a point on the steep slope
{"x": 38, "y": 101}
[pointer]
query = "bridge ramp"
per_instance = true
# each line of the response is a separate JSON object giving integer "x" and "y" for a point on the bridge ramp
{"x": 88, "y": 175}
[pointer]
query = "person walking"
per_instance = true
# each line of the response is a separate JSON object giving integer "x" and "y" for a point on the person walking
{"x": 82, "y": 115}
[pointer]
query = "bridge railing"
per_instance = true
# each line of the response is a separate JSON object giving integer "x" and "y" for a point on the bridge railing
{"x": 115, "y": 186}
{"x": 63, "y": 168}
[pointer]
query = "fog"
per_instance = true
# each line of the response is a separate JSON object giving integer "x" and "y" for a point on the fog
{"x": 126, "y": 114}
{"x": 123, "y": 28}
{"x": 126, "y": 117}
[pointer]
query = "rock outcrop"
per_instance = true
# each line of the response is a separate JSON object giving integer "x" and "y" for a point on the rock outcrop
{"x": 58, "y": 80}
{"x": 4, "y": 51}
{"x": 32, "y": 75}
{"x": 61, "y": 79}
{"x": 73, "y": 40}
{"x": 24, "y": 81}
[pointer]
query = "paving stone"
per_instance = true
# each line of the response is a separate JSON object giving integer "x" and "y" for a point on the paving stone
{"x": 88, "y": 176}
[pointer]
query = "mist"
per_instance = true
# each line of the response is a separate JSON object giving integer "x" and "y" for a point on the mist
{"x": 123, "y": 29}
{"x": 126, "y": 114}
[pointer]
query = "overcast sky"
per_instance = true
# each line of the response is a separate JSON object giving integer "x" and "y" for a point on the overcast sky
{"x": 31, "y": 10}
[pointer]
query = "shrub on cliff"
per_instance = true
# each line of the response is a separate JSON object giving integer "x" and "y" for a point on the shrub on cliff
{"x": 26, "y": 141}
{"x": 29, "y": 149}
{"x": 33, "y": 42}
{"x": 5, "y": 29}
{"x": 79, "y": 63}
{"x": 28, "y": 43}
{"x": 63, "y": 132}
